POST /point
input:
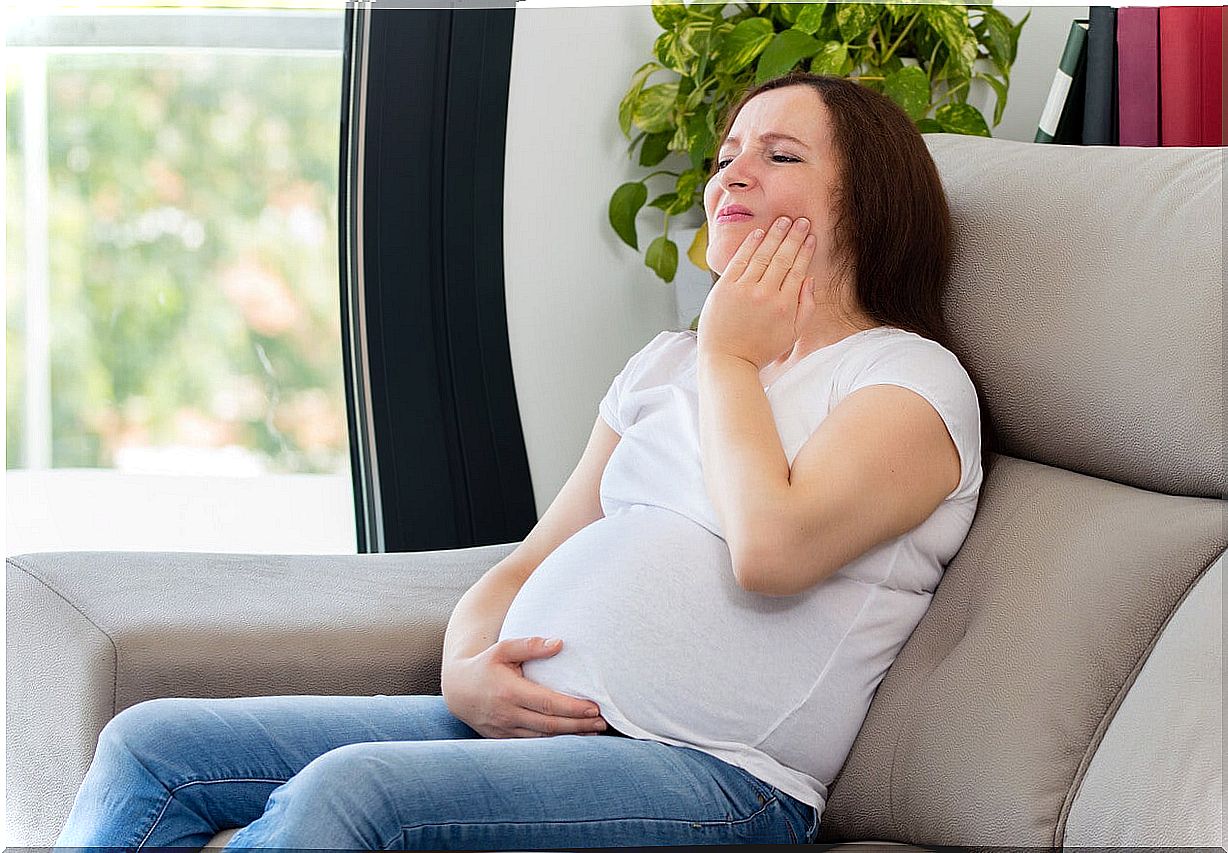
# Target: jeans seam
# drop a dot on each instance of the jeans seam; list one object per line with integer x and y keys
{"x": 407, "y": 827}
{"x": 170, "y": 795}
{"x": 228, "y": 779}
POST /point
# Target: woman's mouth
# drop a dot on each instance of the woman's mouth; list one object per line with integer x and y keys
{"x": 733, "y": 217}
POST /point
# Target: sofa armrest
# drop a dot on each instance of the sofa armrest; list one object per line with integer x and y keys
{"x": 91, "y": 633}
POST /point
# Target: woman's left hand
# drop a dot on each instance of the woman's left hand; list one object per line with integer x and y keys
{"x": 758, "y": 307}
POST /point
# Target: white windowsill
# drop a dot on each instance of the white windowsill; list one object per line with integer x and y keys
{"x": 106, "y": 510}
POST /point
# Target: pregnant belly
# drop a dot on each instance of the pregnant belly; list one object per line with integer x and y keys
{"x": 654, "y": 624}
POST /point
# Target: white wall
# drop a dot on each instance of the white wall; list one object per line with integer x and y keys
{"x": 579, "y": 300}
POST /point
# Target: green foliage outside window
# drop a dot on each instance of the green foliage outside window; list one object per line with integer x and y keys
{"x": 193, "y": 256}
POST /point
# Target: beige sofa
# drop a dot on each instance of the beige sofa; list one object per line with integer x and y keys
{"x": 1064, "y": 688}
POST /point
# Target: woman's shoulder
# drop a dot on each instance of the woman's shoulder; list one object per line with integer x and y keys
{"x": 891, "y": 348}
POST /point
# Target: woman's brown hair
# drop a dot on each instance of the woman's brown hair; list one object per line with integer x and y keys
{"x": 892, "y": 234}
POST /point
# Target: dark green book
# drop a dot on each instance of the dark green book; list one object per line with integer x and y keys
{"x": 1100, "y": 108}
{"x": 1061, "y": 120}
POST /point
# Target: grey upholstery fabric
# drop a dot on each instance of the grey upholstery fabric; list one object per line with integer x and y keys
{"x": 92, "y": 633}
{"x": 1087, "y": 294}
{"x": 982, "y": 728}
{"x": 1157, "y": 778}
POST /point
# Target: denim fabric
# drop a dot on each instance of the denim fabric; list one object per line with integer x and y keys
{"x": 402, "y": 772}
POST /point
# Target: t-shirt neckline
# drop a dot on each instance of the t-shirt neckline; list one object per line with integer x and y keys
{"x": 823, "y": 349}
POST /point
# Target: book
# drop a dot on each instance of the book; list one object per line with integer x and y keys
{"x": 1138, "y": 75}
{"x": 1213, "y": 74}
{"x": 1180, "y": 75}
{"x": 1061, "y": 121}
{"x": 1100, "y": 101}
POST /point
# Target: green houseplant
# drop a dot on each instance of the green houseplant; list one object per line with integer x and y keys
{"x": 923, "y": 55}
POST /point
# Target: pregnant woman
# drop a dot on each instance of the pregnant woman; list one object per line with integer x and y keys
{"x": 758, "y": 522}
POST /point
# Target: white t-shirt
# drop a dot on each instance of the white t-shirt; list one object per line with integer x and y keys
{"x": 655, "y": 628}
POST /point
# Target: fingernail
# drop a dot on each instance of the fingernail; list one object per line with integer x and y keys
{"x": 803, "y": 222}
{"x": 782, "y": 222}
{"x": 757, "y": 234}
{"x": 592, "y": 712}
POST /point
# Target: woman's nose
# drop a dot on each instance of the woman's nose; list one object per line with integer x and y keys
{"x": 736, "y": 172}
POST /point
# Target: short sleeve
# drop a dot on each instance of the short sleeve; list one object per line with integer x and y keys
{"x": 931, "y": 370}
{"x": 612, "y": 407}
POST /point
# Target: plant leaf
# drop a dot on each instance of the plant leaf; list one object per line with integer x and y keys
{"x": 999, "y": 87}
{"x": 962, "y": 118}
{"x": 951, "y": 25}
{"x": 999, "y": 44}
{"x": 667, "y": 50}
{"x": 787, "y": 12}
{"x": 713, "y": 11}
{"x": 656, "y": 148}
{"x": 1015, "y": 34}
{"x": 699, "y": 140}
{"x": 929, "y": 125}
{"x": 662, "y": 257}
{"x": 668, "y": 12}
{"x": 830, "y": 59}
{"x": 854, "y": 19}
{"x": 653, "y": 110}
{"x": 782, "y": 55}
{"x": 697, "y": 253}
{"x": 664, "y": 201}
{"x": 809, "y": 18}
{"x": 688, "y": 182}
{"x": 627, "y": 104}
{"x": 745, "y": 42}
{"x": 910, "y": 88}
{"x": 635, "y": 141}
{"x": 624, "y": 205}
{"x": 694, "y": 36}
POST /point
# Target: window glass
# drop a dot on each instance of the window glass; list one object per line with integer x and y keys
{"x": 174, "y": 370}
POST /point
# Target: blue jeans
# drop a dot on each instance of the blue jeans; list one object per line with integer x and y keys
{"x": 402, "y": 772}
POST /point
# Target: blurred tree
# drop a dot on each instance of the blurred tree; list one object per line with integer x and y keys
{"x": 193, "y": 249}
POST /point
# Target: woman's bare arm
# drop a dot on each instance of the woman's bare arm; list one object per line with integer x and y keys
{"x": 478, "y": 616}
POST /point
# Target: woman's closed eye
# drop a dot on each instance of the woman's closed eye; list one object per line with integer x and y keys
{"x": 720, "y": 164}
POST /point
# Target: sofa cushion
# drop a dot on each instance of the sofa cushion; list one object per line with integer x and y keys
{"x": 1087, "y": 300}
{"x": 981, "y": 730}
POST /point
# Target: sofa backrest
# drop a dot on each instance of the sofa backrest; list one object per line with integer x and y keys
{"x": 1087, "y": 298}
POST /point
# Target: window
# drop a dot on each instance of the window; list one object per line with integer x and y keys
{"x": 174, "y": 366}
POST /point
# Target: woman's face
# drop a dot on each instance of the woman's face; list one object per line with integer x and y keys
{"x": 774, "y": 177}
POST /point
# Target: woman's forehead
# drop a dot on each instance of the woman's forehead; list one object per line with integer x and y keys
{"x": 794, "y": 111}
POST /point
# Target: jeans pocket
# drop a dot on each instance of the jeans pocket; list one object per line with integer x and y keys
{"x": 765, "y": 791}
{"x": 803, "y": 817}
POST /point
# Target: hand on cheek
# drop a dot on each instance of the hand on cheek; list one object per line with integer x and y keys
{"x": 764, "y": 295}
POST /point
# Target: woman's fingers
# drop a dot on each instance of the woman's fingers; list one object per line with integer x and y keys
{"x": 801, "y": 267}
{"x": 554, "y": 704}
{"x": 551, "y": 725}
{"x": 787, "y": 257}
{"x": 778, "y": 258}
{"x": 737, "y": 264}
{"x": 760, "y": 261}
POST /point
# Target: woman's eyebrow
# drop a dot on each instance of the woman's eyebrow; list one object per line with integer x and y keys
{"x": 770, "y": 136}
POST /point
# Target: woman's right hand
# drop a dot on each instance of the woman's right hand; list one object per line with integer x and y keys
{"x": 490, "y": 694}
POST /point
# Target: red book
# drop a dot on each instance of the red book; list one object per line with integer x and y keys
{"x": 1138, "y": 76}
{"x": 1212, "y": 25}
{"x": 1180, "y": 76}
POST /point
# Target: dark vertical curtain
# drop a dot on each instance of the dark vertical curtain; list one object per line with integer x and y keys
{"x": 436, "y": 443}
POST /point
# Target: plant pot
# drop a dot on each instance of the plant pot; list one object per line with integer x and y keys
{"x": 691, "y": 284}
